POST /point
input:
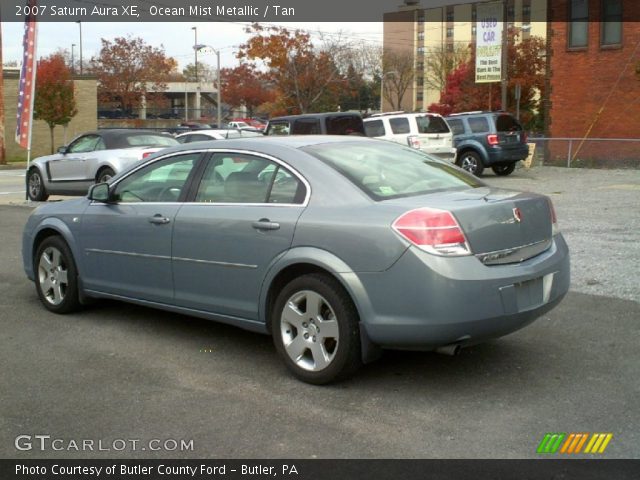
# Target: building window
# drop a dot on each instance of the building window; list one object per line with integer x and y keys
{"x": 450, "y": 13}
{"x": 578, "y": 23}
{"x": 421, "y": 16}
{"x": 419, "y": 96}
{"x": 420, "y": 36}
{"x": 449, "y": 32}
{"x": 474, "y": 29}
{"x": 449, "y": 47}
{"x": 421, "y": 51}
{"x": 611, "y": 26}
{"x": 419, "y": 65}
{"x": 420, "y": 81}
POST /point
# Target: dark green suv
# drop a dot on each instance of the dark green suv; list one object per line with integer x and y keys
{"x": 488, "y": 139}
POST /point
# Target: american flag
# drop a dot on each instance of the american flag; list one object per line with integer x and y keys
{"x": 26, "y": 89}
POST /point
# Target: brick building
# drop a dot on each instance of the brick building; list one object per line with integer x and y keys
{"x": 86, "y": 119}
{"x": 594, "y": 79}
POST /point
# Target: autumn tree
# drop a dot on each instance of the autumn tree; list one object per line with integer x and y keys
{"x": 525, "y": 68}
{"x": 128, "y": 69}
{"x": 305, "y": 78}
{"x": 205, "y": 73}
{"x": 54, "y": 100}
{"x": 245, "y": 86}
{"x": 440, "y": 61}
{"x": 398, "y": 76}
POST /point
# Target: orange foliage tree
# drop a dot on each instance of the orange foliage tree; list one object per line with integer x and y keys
{"x": 245, "y": 86}
{"x": 54, "y": 101}
{"x": 128, "y": 69}
{"x": 305, "y": 78}
{"x": 526, "y": 68}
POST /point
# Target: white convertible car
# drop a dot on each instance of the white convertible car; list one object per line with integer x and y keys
{"x": 93, "y": 157}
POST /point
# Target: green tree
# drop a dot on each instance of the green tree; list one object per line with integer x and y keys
{"x": 54, "y": 102}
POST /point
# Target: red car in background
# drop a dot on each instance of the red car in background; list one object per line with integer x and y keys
{"x": 252, "y": 122}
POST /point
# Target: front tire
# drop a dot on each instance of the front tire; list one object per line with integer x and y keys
{"x": 104, "y": 174}
{"x": 56, "y": 276}
{"x": 315, "y": 329}
{"x": 471, "y": 162}
{"x": 504, "y": 169}
{"x": 35, "y": 186}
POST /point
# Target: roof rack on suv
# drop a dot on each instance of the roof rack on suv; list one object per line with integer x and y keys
{"x": 476, "y": 112}
{"x": 382, "y": 114}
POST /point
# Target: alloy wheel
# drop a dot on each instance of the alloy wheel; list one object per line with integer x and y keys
{"x": 53, "y": 276}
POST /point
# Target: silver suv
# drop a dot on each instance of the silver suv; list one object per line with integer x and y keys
{"x": 425, "y": 131}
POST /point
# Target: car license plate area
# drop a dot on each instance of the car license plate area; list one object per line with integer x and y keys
{"x": 529, "y": 294}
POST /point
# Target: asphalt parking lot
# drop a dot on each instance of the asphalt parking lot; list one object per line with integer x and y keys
{"x": 116, "y": 371}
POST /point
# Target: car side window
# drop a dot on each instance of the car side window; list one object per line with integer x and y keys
{"x": 457, "y": 127}
{"x": 240, "y": 178}
{"x": 478, "y": 124}
{"x": 162, "y": 181}
{"x": 374, "y": 128}
{"x": 306, "y": 126}
{"x": 84, "y": 144}
{"x": 278, "y": 128}
{"x": 399, "y": 125}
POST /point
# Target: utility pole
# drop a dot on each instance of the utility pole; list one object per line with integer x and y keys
{"x": 505, "y": 56}
{"x": 3, "y": 159}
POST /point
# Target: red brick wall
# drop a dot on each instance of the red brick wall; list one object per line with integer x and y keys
{"x": 596, "y": 91}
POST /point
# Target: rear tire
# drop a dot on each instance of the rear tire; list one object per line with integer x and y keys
{"x": 56, "y": 276}
{"x": 35, "y": 186}
{"x": 104, "y": 174}
{"x": 315, "y": 329}
{"x": 471, "y": 162}
{"x": 504, "y": 169}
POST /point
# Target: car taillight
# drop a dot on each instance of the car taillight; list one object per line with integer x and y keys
{"x": 146, "y": 154}
{"x": 493, "y": 139}
{"x": 432, "y": 230}
{"x": 554, "y": 219}
{"x": 413, "y": 141}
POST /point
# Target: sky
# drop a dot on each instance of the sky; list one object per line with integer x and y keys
{"x": 177, "y": 38}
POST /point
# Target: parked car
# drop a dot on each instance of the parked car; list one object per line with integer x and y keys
{"x": 195, "y": 125}
{"x": 89, "y": 158}
{"x": 252, "y": 123}
{"x": 239, "y": 125}
{"x": 334, "y": 123}
{"x": 488, "y": 139}
{"x": 335, "y": 246}
{"x": 425, "y": 131}
{"x": 208, "y": 135}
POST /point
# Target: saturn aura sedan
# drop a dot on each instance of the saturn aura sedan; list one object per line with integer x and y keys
{"x": 337, "y": 247}
{"x": 92, "y": 157}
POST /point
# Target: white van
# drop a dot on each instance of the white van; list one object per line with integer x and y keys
{"x": 426, "y": 131}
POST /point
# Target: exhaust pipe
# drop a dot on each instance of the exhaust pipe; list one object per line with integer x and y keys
{"x": 451, "y": 350}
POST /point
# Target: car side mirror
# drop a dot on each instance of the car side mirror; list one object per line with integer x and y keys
{"x": 62, "y": 150}
{"x": 99, "y": 193}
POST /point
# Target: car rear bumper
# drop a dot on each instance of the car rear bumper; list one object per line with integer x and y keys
{"x": 507, "y": 155}
{"x": 459, "y": 300}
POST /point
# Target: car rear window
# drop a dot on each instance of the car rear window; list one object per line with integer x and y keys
{"x": 431, "y": 124}
{"x": 507, "y": 123}
{"x": 306, "y": 126}
{"x": 344, "y": 125}
{"x": 478, "y": 124}
{"x": 384, "y": 171}
{"x": 374, "y": 128}
{"x": 278, "y": 128}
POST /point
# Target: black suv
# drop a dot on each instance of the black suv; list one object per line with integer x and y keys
{"x": 488, "y": 139}
{"x": 334, "y": 123}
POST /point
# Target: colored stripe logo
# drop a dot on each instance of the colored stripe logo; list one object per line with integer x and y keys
{"x": 573, "y": 443}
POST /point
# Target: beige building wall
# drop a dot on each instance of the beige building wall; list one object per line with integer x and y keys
{"x": 399, "y": 34}
{"x": 85, "y": 120}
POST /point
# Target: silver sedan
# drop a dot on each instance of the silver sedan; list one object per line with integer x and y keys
{"x": 89, "y": 158}
{"x": 337, "y": 247}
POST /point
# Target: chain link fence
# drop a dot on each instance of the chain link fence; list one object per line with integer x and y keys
{"x": 586, "y": 152}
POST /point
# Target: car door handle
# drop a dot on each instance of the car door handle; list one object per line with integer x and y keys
{"x": 158, "y": 219}
{"x": 265, "y": 224}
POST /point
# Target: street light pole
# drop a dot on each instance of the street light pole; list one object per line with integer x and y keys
{"x": 195, "y": 33}
{"x": 505, "y": 57}
{"x": 80, "y": 25}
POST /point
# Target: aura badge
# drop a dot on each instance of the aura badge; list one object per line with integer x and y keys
{"x": 574, "y": 443}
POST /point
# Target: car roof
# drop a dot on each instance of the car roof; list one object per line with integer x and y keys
{"x": 315, "y": 115}
{"x": 378, "y": 116}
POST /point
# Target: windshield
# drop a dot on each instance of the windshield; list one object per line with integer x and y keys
{"x": 145, "y": 140}
{"x": 385, "y": 170}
